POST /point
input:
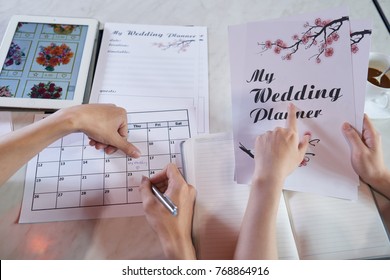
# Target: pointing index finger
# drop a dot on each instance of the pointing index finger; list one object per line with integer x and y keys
{"x": 291, "y": 117}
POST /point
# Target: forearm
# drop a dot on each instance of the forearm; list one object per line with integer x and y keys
{"x": 257, "y": 239}
{"x": 18, "y": 147}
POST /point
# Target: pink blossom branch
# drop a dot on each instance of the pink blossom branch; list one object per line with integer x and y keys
{"x": 176, "y": 44}
{"x": 328, "y": 31}
{"x": 357, "y": 36}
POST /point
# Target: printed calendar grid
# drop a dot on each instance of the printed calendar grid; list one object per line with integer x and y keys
{"x": 83, "y": 176}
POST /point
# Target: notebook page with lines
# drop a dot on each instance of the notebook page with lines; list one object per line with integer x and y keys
{"x": 308, "y": 226}
{"x": 150, "y": 62}
{"x": 330, "y": 228}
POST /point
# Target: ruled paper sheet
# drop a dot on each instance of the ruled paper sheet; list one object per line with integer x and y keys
{"x": 317, "y": 227}
{"x": 221, "y": 203}
{"x": 331, "y": 228}
{"x": 152, "y": 62}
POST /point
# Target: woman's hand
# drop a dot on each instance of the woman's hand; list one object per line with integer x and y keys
{"x": 174, "y": 232}
{"x": 367, "y": 156}
{"x": 279, "y": 152}
{"x": 105, "y": 125}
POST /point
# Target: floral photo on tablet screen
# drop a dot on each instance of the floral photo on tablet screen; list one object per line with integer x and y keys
{"x": 63, "y": 29}
{"x": 5, "y": 91}
{"x": 14, "y": 55}
{"x": 47, "y": 90}
{"x": 54, "y": 55}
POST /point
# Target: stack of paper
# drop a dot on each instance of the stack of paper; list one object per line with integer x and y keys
{"x": 319, "y": 63}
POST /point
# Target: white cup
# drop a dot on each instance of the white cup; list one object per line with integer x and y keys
{"x": 380, "y": 96}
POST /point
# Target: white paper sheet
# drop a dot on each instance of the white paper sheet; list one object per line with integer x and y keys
{"x": 5, "y": 122}
{"x": 360, "y": 37}
{"x": 70, "y": 180}
{"x": 328, "y": 228}
{"x": 360, "y": 46}
{"x": 154, "y": 62}
{"x": 306, "y": 69}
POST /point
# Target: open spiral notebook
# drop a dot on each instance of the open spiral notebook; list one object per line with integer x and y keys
{"x": 309, "y": 226}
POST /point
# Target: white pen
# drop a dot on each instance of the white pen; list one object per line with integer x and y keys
{"x": 165, "y": 201}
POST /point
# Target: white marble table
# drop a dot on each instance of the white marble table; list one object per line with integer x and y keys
{"x": 131, "y": 238}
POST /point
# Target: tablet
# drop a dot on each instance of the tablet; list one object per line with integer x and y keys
{"x": 46, "y": 61}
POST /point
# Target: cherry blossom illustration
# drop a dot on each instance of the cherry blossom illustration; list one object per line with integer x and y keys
{"x": 356, "y": 38}
{"x": 304, "y": 162}
{"x": 322, "y": 35}
{"x": 179, "y": 45}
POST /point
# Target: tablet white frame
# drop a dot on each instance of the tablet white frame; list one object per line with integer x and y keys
{"x": 82, "y": 78}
